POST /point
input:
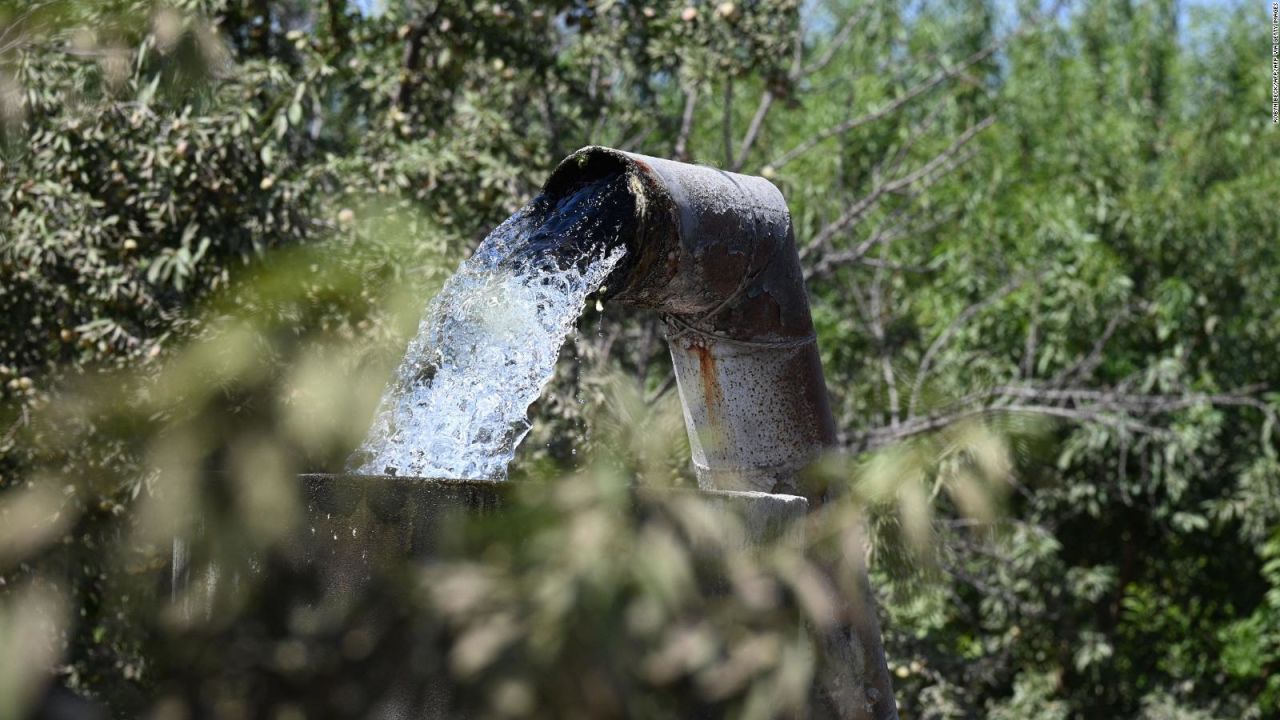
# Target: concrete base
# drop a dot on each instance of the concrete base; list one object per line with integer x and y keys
{"x": 357, "y": 529}
{"x": 352, "y": 522}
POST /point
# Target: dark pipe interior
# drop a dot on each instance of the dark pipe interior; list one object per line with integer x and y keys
{"x": 651, "y": 214}
{"x": 584, "y": 219}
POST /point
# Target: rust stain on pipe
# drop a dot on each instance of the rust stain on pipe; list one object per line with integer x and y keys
{"x": 710, "y": 385}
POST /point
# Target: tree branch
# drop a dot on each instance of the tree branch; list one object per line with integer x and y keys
{"x": 1087, "y": 363}
{"x": 837, "y": 41}
{"x": 1111, "y": 406}
{"x": 941, "y": 161}
{"x": 411, "y": 59}
{"x": 339, "y": 26}
{"x": 914, "y": 92}
{"x": 681, "y": 149}
{"x": 884, "y": 235}
{"x": 926, "y": 362}
{"x": 797, "y": 72}
{"x": 726, "y": 124}
{"x": 886, "y": 364}
{"x": 884, "y": 111}
{"x": 753, "y": 130}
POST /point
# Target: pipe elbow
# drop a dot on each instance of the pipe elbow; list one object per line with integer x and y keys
{"x": 711, "y": 249}
{"x": 714, "y": 252}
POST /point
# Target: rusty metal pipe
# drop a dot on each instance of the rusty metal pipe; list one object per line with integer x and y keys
{"x": 714, "y": 253}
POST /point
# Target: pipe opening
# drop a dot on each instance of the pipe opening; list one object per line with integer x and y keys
{"x": 652, "y": 225}
{"x": 588, "y": 217}
{"x": 712, "y": 250}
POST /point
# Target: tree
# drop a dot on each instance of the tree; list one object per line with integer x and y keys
{"x": 1038, "y": 242}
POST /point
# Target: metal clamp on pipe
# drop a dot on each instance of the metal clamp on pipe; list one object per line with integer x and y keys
{"x": 714, "y": 252}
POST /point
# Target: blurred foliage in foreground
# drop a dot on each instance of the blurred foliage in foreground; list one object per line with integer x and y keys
{"x": 212, "y": 585}
{"x": 1009, "y": 217}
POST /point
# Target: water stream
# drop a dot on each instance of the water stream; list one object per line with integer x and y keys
{"x": 487, "y": 345}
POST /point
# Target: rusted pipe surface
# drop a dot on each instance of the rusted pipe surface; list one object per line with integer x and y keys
{"x": 713, "y": 252}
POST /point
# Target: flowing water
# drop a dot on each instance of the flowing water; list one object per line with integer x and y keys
{"x": 458, "y": 405}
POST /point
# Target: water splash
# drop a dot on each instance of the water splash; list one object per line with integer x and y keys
{"x": 489, "y": 341}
